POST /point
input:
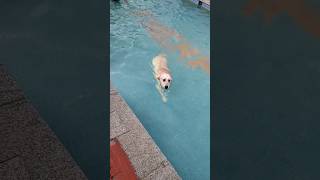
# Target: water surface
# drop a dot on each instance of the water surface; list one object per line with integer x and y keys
{"x": 141, "y": 30}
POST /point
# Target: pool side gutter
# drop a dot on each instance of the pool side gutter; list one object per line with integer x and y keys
{"x": 143, "y": 153}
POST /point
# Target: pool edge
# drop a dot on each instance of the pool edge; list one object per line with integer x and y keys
{"x": 144, "y": 154}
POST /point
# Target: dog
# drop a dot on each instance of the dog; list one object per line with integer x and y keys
{"x": 161, "y": 74}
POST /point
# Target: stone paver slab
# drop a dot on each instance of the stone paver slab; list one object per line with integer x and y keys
{"x": 163, "y": 173}
{"x": 117, "y": 127}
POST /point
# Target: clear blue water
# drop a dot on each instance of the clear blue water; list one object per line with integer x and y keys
{"x": 180, "y": 127}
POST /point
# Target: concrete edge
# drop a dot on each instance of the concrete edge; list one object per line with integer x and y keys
{"x": 145, "y": 156}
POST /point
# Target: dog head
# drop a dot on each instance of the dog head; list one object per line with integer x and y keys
{"x": 165, "y": 80}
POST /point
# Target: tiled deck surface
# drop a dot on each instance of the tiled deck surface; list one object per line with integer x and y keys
{"x": 145, "y": 156}
{"x": 28, "y": 147}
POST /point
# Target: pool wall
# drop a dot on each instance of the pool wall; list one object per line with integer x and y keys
{"x": 145, "y": 156}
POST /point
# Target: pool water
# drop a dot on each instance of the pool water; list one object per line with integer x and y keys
{"x": 140, "y": 30}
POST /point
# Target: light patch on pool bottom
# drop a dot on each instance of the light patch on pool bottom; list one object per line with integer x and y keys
{"x": 186, "y": 50}
{"x": 202, "y": 63}
{"x": 160, "y": 33}
{"x": 165, "y": 37}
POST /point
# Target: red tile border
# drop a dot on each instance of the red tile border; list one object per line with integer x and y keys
{"x": 120, "y": 166}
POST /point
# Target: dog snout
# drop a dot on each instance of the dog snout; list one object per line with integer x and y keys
{"x": 166, "y": 87}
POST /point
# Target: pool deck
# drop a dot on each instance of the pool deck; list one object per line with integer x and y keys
{"x": 29, "y": 149}
{"x": 145, "y": 156}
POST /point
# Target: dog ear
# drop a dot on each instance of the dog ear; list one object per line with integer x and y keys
{"x": 158, "y": 77}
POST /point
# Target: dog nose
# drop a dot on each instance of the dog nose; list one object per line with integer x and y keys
{"x": 166, "y": 87}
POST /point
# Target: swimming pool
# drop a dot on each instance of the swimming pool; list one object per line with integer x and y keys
{"x": 140, "y": 30}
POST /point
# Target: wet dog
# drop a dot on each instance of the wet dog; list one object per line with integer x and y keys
{"x": 161, "y": 74}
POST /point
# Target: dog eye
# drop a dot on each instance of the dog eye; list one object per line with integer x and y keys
{"x": 169, "y": 80}
{"x": 164, "y": 80}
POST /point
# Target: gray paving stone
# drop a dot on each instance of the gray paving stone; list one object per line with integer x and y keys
{"x": 114, "y": 99}
{"x": 14, "y": 169}
{"x": 128, "y": 118}
{"x": 117, "y": 128}
{"x": 163, "y": 173}
{"x": 10, "y": 140}
{"x": 144, "y": 156}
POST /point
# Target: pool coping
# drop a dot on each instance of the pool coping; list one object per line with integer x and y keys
{"x": 145, "y": 156}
